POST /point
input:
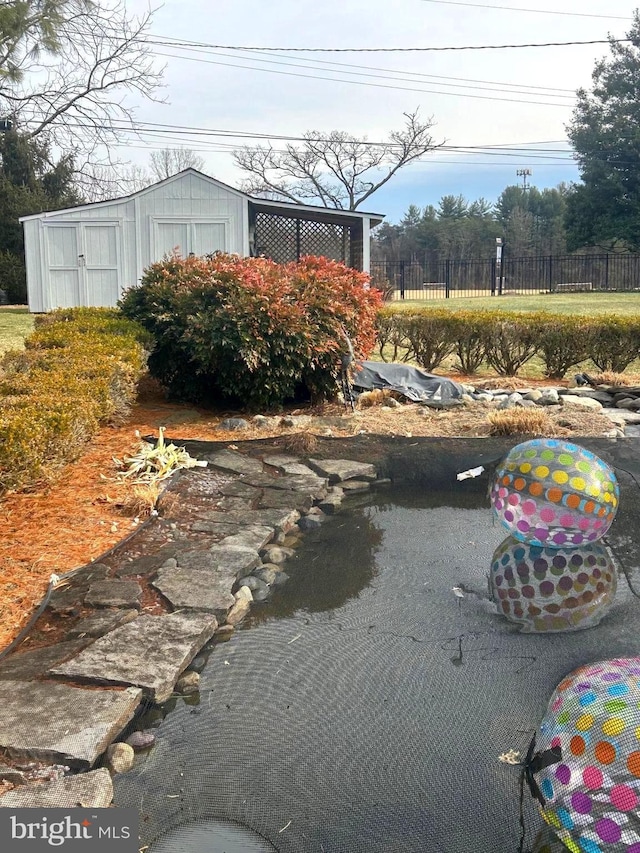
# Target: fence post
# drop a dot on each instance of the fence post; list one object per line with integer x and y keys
{"x": 550, "y": 273}
{"x": 503, "y": 261}
{"x": 447, "y": 278}
{"x": 493, "y": 273}
{"x": 606, "y": 271}
{"x": 401, "y": 279}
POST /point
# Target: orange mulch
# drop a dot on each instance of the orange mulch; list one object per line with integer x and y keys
{"x": 68, "y": 523}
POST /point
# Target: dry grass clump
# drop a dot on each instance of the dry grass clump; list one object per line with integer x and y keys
{"x": 139, "y": 500}
{"x": 521, "y": 422}
{"x": 377, "y": 397}
{"x": 300, "y": 442}
{"x": 608, "y": 377}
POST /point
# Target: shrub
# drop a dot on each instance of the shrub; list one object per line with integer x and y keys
{"x": 431, "y": 336}
{"x": 563, "y": 342}
{"x": 79, "y": 369}
{"x": 250, "y": 331}
{"x": 511, "y": 340}
{"x": 392, "y": 337}
{"x": 614, "y": 342}
{"x": 470, "y": 341}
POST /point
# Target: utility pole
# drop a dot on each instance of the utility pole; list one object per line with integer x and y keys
{"x": 524, "y": 174}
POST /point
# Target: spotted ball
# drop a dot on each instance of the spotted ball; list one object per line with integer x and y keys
{"x": 544, "y": 590}
{"x": 593, "y": 793}
{"x": 553, "y": 493}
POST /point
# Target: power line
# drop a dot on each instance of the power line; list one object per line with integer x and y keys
{"x": 429, "y": 77}
{"x": 520, "y": 9}
{"x": 176, "y": 43}
{"x": 362, "y": 82}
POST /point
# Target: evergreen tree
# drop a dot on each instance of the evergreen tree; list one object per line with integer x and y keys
{"x": 29, "y": 183}
{"x": 604, "y": 209}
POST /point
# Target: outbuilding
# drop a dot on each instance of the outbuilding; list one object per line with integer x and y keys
{"x": 87, "y": 255}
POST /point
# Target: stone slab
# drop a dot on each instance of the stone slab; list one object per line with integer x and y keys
{"x": 231, "y": 460}
{"x": 253, "y": 536}
{"x": 239, "y": 489}
{"x": 195, "y": 589}
{"x": 63, "y": 724}
{"x": 101, "y": 623}
{"x": 71, "y": 595}
{"x": 92, "y": 790}
{"x": 280, "y": 519}
{"x": 314, "y": 485}
{"x": 26, "y": 666}
{"x": 339, "y": 470}
{"x": 150, "y": 652}
{"x": 288, "y": 464}
{"x": 114, "y": 593}
{"x": 233, "y": 560}
{"x": 276, "y": 499}
{"x": 147, "y": 562}
{"x": 622, "y": 415}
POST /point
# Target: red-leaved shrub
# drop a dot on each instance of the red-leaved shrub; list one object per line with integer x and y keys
{"x": 250, "y": 331}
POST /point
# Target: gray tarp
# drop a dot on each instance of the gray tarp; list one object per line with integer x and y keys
{"x": 413, "y": 383}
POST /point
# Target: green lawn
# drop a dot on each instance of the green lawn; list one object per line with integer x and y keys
{"x": 565, "y": 303}
{"x": 15, "y": 325}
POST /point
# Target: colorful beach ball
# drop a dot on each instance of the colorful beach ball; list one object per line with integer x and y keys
{"x": 552, "y": 589}
{"x": 592, "y": 792}
{"x": 554, "y": 493}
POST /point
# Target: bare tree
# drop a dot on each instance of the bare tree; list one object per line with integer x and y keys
{"x": 66, "y": 75}
{"x": 169, "y": 161}
{"x": 332, "y": 168}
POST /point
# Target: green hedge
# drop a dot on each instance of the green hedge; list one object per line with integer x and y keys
{"x": 506, "y": 341}
{"x": 79, "y": 369}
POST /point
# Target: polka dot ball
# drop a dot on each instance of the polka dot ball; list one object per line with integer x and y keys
{"x": 593, "y": 792}
{"x": 554, "y": 493}
{"x": 552, "y": 589}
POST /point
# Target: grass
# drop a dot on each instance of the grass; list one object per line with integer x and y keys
{"x": 563, "y": 303}
{"x": 15, "y": 325}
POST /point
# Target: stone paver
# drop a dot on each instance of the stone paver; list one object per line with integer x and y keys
{"x": 288, "y": 464}
{"x": 587, "y": 402}
{"x": 280, "y": 519}
{"x": 196, "y": 589}
{"x": 56, "y": 722}
{"x": 249, "y": 536}
{"x": 150, "y": 652}
{"x": 114, "y": 593}
{"x": 237, "y": 463}
{"x": 93, "y": 790}
{"x": 232, "y": 560}
{"x": 338, "y": 470}
{"x": 314, "y": 485}
{"x": 101, "y": 623}
{"x": 622, "y": 415}
{"x": 29, "y": 665}
{"x": 147, "y": 562}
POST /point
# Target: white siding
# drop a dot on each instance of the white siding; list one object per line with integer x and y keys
{"x": 35, "y": 267}
{"x": 191, "y": 213}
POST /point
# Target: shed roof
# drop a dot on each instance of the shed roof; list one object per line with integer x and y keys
{"x": 263, "y": 205}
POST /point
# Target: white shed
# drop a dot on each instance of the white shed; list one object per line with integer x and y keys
{"x": 87, "y": 255}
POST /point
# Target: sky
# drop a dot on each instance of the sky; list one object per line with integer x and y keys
{"x": 509, "y": 99}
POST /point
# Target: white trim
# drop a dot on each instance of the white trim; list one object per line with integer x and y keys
{"x": 136, "y": 195}
{"x": 186, "y": 219}
{"x": 366, "y": 246}
{"x": 284, "y": 205}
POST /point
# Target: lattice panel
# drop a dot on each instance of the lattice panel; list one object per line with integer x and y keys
{"x": 286, "y": 239}
{"x": 323, "y": 238}
{"x": 276, "y": 237}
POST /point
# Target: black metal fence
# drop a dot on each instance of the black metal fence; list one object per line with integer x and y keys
{"x": 543, "y": 274}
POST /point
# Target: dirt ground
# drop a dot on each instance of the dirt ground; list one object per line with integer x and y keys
{"x": 63, "y": 525}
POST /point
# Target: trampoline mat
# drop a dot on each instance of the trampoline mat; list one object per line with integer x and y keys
{"x": 364, "y": 706}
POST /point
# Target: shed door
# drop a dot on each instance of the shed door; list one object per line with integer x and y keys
{"x": 208, "y": 237}
{"x": 101, "y": 270}
{"x": 64, "y": 269}
{"x": 171, "y": 236}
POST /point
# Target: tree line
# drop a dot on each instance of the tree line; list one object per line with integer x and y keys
{"x": 529, "y": 221}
